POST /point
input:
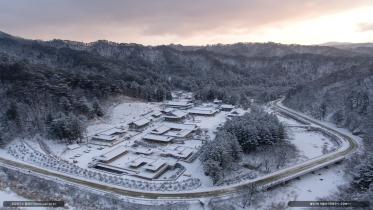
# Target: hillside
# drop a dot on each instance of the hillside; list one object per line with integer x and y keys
{"x": 274, "y": 49}
{"x": 42, "y": 81}
{"x": 343, "y": 97}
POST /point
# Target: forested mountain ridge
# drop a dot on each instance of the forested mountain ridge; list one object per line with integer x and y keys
{"x": 43, "y": 81}
{"x": 344, "y": 97}
{"x": 182, "y": 67}
{"x": 271, "y": 49}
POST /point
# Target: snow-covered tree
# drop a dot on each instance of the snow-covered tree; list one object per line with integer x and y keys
{"x": 255, "y": 128}
{"x": 66, "y": 127}
{"x": 219, "y": 155}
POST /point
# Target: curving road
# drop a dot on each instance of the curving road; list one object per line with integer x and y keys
{"x": 349, "y": 145}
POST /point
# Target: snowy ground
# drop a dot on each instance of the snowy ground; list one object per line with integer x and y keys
{"x": 319, "y": 184}
{"x": 313, "y": 186}
{"x": 122, "y": 114}
{"x": 210, "y": 123}
{"x": 310, "y": 144}
{"x": 8, "y": 195}
{"x": 310, "y": 187}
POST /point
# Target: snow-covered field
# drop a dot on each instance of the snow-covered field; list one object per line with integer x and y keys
{"x": 122, "y": 114}
{"x": 310, "y": 144}
{"x": 319, "y": 184}
{"x": 310, "y": 187}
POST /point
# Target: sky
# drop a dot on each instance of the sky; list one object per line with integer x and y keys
{"x": 190, "y": 22}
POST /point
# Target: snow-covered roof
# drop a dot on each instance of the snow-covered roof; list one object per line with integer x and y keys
{"x": 180, "y": 126}
{"x": 152, "y": 172}
{"x": 178, "y": 151}
{"x": 160, "y": 130}
{"x": 174, "y": 129}
{"x": 179, "y": 133}
{"x": 112, "y": 153}
{"x": 145, "y": 151}
{"x": 217, "y": 101}
{"x": 154, "y": 137}
{"x": 176, "y": 114}
{"x": 206, "y": 107}
{"x": 202, "y": 111}
{"x": 178, "y": 103}
{"x": 113, "y": 131}
{"x": 141, "y": 122}
{"x": 227, "y": 106}
{"x": 156, "y": 114}
{"x": 103, "y": 137}
{"x": 155, "y": 165}
{"x": 179, "y": 113}
{"x": 168, "y": 110}
{"x": 138, "y": 161}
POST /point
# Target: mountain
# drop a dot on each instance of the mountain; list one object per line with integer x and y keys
{"x": 41, "y": 81}
{"x": 364, "y": 48}
{"x": 343, "y": 97}
{"x": 274, "y": 49}
{"x": 347, "y": 45}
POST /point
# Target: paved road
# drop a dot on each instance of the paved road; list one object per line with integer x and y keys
{"x": 223, "y": 191}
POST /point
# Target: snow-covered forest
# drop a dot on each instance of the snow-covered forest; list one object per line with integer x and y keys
{"x": 242, "y": 134}
{"x": 59, "y": 80}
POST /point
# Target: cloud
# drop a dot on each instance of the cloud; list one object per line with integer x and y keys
{"x": 122, "y": 20}
{"x": 366, "y": 27}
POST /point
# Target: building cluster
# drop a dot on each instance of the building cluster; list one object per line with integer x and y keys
{"x": 170, "y": 133}
{"x": 26, "y": 153}
{"x": 140, "y": 165}
{"x": 166, "y": 130}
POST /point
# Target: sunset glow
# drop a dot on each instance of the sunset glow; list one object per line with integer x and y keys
{"x": 191, "y": 22}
